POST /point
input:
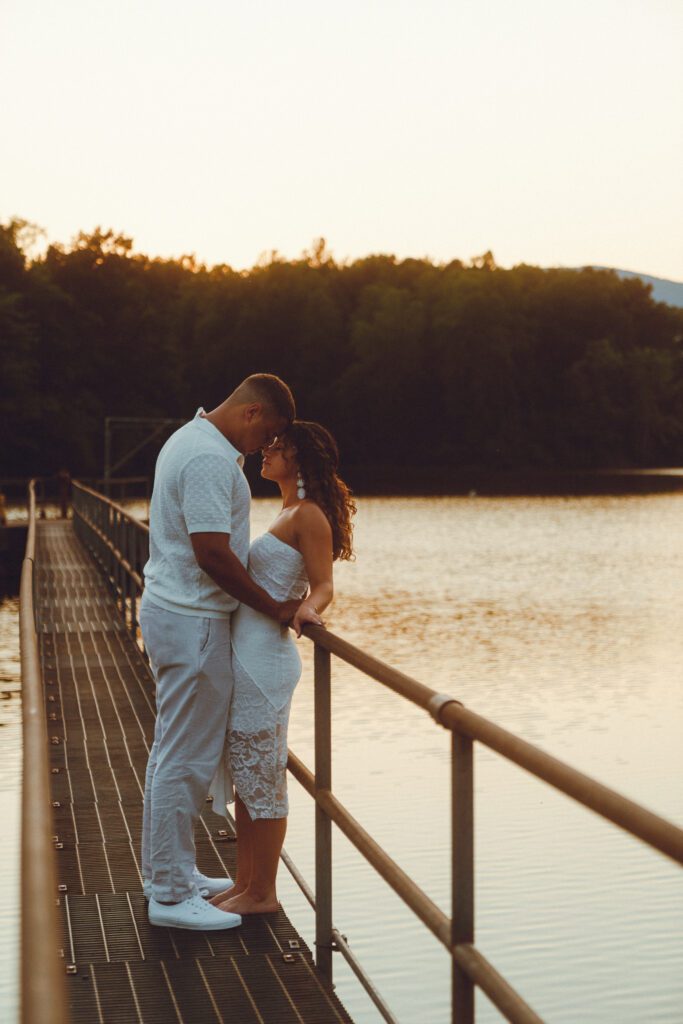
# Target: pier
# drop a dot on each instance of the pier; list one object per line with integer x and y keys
{"x": 88, "y": 952}
{"x": 99, "y": 709}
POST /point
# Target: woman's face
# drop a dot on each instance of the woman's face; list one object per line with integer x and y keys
{"x": 279, "y": 461}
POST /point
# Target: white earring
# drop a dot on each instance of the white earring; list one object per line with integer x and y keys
{"x": 300, "y": 489}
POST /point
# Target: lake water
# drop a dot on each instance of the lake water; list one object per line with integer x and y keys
{"x": 558, "y": 618}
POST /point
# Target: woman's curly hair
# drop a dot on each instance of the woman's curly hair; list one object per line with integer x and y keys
{"x": 318, "y": 458}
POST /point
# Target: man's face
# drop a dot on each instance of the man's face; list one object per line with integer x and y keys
{"x": 262, "y": 429}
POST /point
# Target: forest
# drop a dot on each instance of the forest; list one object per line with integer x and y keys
{"x": 410, "y": 363}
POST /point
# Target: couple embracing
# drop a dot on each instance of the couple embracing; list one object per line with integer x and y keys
{"x": 214, "y": 618}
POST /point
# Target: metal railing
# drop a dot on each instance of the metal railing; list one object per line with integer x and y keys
{"x": 121, "y": 488}
{"x": 117, "y": 541}
{"x": 119, "y": 544}
{"x": 42, "y": 988}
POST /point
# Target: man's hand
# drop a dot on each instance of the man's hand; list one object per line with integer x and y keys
{"x": 287, "y": 610}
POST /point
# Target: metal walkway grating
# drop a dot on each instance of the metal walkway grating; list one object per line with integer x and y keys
{"x": 100, "y": 708}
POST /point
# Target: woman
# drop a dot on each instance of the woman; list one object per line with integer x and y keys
{"x": 295, "y": 555}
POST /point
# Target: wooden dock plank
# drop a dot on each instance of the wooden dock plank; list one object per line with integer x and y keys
{"x": 100, "y": 705}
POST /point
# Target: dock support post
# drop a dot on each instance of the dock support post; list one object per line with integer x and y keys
{"x": 462, "y": 914}
{"x": 323, "y": 824}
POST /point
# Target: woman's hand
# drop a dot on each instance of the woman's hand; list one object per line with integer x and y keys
{"x": 307, "y": 613}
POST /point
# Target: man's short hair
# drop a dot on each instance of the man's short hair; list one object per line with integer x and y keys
{"x": 270, "y": 391}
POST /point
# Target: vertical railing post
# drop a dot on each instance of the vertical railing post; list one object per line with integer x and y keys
{"x": 140, "y": 561}
{"x": 132, "y": 546}
{"x": 109, "y": 531}
{"x": 462, "y": 911}
{"x": 107, "y": 455}
{"x": 118, "y": 574}
{"x": 64, "y": 479}
{"x": 115, "y": 564}
{"x": 323, "y": 824}
{"x": 128, "y": 581}
{"x": 102, "y": 520}
{"x": 144, "y": 551}
{"x": 121, "y": 552}
{"x": 121, "y": 548}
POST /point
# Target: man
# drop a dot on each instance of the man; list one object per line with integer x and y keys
{"x": 194, "y": 579}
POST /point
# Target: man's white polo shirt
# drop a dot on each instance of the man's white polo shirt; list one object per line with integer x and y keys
{"x": 199, "y": 487}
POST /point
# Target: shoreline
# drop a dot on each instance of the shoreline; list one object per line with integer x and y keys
{"x": 433, "y": 481}
{"x": 428, "y": 481}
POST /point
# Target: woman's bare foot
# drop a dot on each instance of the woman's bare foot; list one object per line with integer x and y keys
{"x": 227, "y": 894}
{"x": 245, "y": 903}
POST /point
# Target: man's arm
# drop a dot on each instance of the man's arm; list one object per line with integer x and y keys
{"x": 217, "y": 559}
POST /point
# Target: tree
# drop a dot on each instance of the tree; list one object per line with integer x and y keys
{"x": 408, "y": 362}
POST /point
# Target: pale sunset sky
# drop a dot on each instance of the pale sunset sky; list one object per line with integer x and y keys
{"x": 547, "y": 132}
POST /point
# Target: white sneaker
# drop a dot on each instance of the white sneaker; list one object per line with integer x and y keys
{"x": 208, "y": 887}
{"x": 193, "y": 913}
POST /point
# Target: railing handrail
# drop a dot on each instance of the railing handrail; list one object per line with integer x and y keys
{"x": 455, "y": 933}
{"x": 652, "y": 829}
{"x": 43, "y": 996}
{"x": 79, "y": 486}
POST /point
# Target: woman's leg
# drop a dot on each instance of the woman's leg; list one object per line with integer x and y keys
{"x": 259, "y": 897}
{"x": 258, "y": 758}
{"x": 245, "y": 845}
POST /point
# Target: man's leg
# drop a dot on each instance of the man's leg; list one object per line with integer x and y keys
{"x": 147, "y": 808}
{"x": 145, "y": 860}
{"x": 194, "y": 683}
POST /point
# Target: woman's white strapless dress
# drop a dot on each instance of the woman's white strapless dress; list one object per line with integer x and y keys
{"x": 266, "y": 668}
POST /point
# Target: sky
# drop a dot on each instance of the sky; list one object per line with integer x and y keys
{"x": 550, "y": 133}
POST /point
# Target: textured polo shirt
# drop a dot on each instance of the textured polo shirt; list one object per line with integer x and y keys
{"x": 199, "y": 487}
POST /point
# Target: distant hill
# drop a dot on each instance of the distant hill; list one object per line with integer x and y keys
{"x": 670, "y": 292}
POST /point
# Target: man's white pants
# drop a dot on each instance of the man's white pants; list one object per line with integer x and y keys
{"x": 191, "y": 661}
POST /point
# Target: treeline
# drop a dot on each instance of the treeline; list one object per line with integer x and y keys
{"x": 411, "y": 364}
